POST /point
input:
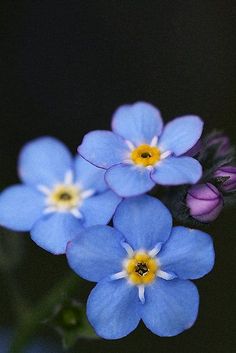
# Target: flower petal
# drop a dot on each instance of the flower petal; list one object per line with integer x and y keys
{"x": 144, "y": 221}
{"x": 138, "y": 122}
{"x": 20, "y": 207}
{"x": 128, "y": 180}
{"x": 113, "y": 309}
{"x": 180, "y": 134}
{"x": 205, "y": 202}
{"x": 89, "y": 176}
{"x": 100, "y": 208}
{"x": 188, "y": 253}
{"x": 177, "y": 171}
{"x": 44, "y": 161}
{"x": 96, "y": 253}
{"x": 53, "y": 232}
{"x": 103, "y": 148}
{"x": 170, "y": 306}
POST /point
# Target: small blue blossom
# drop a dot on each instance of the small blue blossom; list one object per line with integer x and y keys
{"x": 59, "y": 196}
{"x": 140, "y": 153}
{"x": 143, "y": 267}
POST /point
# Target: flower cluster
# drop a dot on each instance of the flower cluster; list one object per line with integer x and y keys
{"x": 143, "y": 265}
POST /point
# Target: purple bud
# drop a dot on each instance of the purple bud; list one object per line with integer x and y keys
{"x": 205, "y": 202}
{"x": 227, "y": 172}
{"x": 221, "y": 141}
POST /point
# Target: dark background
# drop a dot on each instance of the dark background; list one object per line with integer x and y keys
{"x": 66, "y": 65}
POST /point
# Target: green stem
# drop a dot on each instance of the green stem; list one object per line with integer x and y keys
{"x": 32, "y": 319}
{"x": 19, "y": 306}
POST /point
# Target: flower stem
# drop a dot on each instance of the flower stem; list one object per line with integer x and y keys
{"x": 33, "y": 318}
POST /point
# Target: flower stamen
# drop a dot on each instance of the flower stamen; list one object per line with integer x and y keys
{"x": 146, "y": 155}
{"x": 141, "y": 268}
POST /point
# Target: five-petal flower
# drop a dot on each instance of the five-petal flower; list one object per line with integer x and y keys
{"x": 143, "y": 267}
{"x": 59, "y": 196}
{"x": 140, "y": 153}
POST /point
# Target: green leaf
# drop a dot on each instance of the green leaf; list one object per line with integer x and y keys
{"x": 71, "y": 323}
{"x": 33, "y": 319}
{"x": 11, "y": 249}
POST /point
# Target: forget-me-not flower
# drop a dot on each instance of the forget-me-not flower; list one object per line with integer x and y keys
{"x": 142, "y": 267}
{"x": 58, "y": 197}
{"x": 140, "y": 153}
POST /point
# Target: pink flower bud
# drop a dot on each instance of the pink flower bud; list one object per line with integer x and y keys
{"x": 205, "y": 202}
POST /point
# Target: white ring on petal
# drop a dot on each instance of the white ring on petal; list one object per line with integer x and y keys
{"x": 141, "y": 293}
{"x": 165, "y": 154}
{"x": 154, "y": 141}
{"x": 76, "y": 213}
{"x": 155, "y": 250}
{"x": 48, "y": 210}
{"x": 69, "y": 176}
{"x": 130, "y": 145}
{"x": 44, "y": 189}
{"x": 165, "y": 275}
{"x": 119, "y": 275}
{"x": 87, "y": 193}
{"x": 127, "y": 248}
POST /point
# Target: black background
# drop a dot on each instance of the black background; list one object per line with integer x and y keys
{"x": 65, "y": 67}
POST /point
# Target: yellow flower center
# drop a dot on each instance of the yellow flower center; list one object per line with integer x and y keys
{"x": 141, "y": 268}
{"x": 64, "y": 197}
{"x": 146, "y": 155}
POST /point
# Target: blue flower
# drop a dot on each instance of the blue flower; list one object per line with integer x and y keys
{"x": 59, "y": 196}
{"x": 142, "y": 267}
{"x": 139, "y": 153}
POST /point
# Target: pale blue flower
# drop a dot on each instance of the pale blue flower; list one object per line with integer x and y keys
{"x": 59, "y": 195}
{"x": 143, "y": 267}
{"x": 140, "y": 153}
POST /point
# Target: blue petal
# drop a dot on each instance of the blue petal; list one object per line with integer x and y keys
{"x": 128, "y": 180}
{"x": 188, "y": 253}
{"x": 89, "y": 176}
{"x": 96, "y": 253}
{"x": 144, "y": 221}
{"x": 170, "y": 306}
{"x": 138, "y": 122}
{"x": 44, "y": 161}
{"x": 113, "y": 309}
{"x": 181, "y": 134}
{"x": 103, "y": 148}
{"x": 20, "y": 207}
{"x": 177, "y": 171}
{"x": 99, "y": 209}
{"x": 54, "y": 231}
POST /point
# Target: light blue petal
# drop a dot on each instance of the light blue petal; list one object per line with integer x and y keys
{"x": 181, "y": 134}
{"x": 170, "y": 306}
{"x": 20, "y": 207}
{"x": 138, "y": 122}
{"x": 44, "y": 161}
{"x": 188, "y": 253}
{"x": 144, "y": 221}
{"x": 103, "y": 148}
{"x": 113, "y": 309}
{"x": 96, "y": 253}
{"x": 128, "y": 180}
{"x": 100, "y": 208}
{"x": 53, "y": 232}
{"x": 89, "y": 176}
{"x": 177, "y": 171}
